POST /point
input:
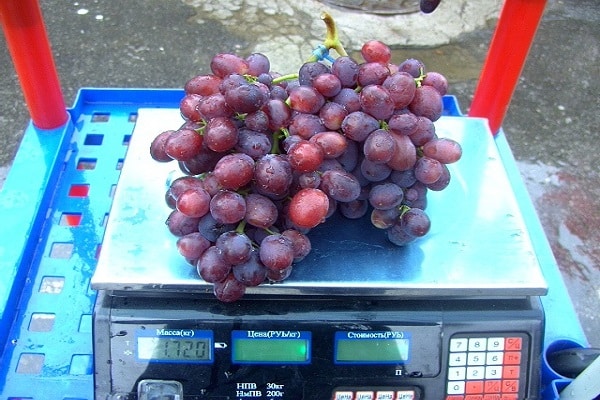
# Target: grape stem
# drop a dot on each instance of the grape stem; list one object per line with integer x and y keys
{"x": 332, "y": 39}
{"x": 403, "y": 210}
{"x": 269, "y": 231}
{"x": 202, "y": 127}
{"x": 241, "y": 227}
{"x": 277, "y": 136}
{"x": 422, "y": 75}
{"x": 283, "y": 78}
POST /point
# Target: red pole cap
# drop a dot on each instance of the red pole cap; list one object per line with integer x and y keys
{"x": 30, "y": 50}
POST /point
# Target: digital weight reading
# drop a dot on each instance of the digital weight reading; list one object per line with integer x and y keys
{"x": 175, "y": 345}
{"x": 372, "y": 347}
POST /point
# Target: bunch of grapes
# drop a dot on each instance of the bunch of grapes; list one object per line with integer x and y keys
{"x": 267, "y": 157}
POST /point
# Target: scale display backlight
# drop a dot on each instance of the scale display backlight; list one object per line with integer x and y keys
{"x": 270, "y": 347}
{"x": 175, "y": 345}
{"x": 372, "y": 347}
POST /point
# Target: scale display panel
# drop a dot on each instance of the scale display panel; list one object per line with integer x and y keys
{"x": 384, "y": 347}
{"x": 314, "y": 350}
{"x": 175, "y": 346}
{"x": 270, "y": 347}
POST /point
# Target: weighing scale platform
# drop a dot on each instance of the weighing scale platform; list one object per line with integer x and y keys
{"x": 478, "y": 245}
{"x": 63, "y": 184}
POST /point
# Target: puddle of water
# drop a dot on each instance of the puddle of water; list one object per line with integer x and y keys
{"x": 570, "y": 215}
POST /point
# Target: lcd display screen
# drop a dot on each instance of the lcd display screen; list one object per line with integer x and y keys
{"x": 371, "y": 347}
{"x": 270, "y": 347}
{"x": 196, "y": 347}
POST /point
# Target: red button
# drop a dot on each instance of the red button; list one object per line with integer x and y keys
{"x": 472, "y": 387}
{"x": 492, "y": 386}
{"x": 491, "y": 397}
{"x": 511, "y": 372}
{"x": 474, "y": 397}
{"x": 455, "y": 397}
{"x": 510, "y": 386}
{"x": 513, "y": 343}
{"x": 512, "y": 358}
{"x": 509, "y": 397}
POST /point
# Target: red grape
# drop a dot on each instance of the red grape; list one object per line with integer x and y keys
{"x": 332, "y": 143}
{"x": 189, "y": 107}
{"x": 428, "y": 170}
{"x": 444, "y": 150}
{"x": 251, "y": 272}
{"x": 300, "y": 243}
{"x": 180, "y": 224}
{"x": 376, "y": 51}
{"x": 427, "y": 103}
{"x": 192, "y": 245}
{"x": 276, "y": 252}
{"x": 376, "y": 101}
{"x": 229, "y": 290}
{"x": 235, "y": 247}
{"x": 234, "y": 170}
{"x": 226, "y": 64}
{"x": 273, "y": 175}
{"x": 386, "y": 196}
{"x": 228, "y": 207}
{"x": 220, "y": 134}
{"x": 379, "y": 146}
{"x": 372, "y": 73}
{"x": 258, "y": 64}
{"x": 332, "y": 114}
{"x": 193, "y": 202}
{"x": 358, "y": 125}
{"x": 204, "y": 85}
{"x": 327, "y": 84}
{"x": 308, "y": 208}
{"x": 436, "y": 80}
{"x": 183, "y": 144}
{"x": 415, "y": 222}
{"x": 401, "y": 87}
{"x": 260, "y": 211}
{"x": 340, "y": 185}
{"x": 157, "y": 147}
{"x": 306, "y": 99}
{"x": 412, "y": 66}
{"x": 346, "y": 69}
{"x": 211, "y": 266}
{"x": 305, "y": 156}
{"x": 405, "y": 156}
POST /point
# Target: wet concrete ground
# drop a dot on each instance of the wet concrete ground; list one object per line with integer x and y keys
{"x": 551, "y": 124}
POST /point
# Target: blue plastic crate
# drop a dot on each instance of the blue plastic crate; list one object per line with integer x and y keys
{"x": 55, "y": 204}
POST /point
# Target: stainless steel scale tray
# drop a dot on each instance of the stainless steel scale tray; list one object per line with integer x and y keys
{"x": 478, "y": 245}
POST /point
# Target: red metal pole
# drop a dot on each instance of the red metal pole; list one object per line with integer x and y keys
{"x": 512, "y": 39}
{"x": 30, "y": 50}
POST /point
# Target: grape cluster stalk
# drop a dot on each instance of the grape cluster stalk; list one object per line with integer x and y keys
{"x": 268, "y": 157}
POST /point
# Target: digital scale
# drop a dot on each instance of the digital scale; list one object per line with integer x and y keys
{"x": 455, "y": 315}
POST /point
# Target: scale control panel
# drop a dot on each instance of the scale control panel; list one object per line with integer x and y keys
{"x": 365, "y": 350}
{"x": 487, "y": 367}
